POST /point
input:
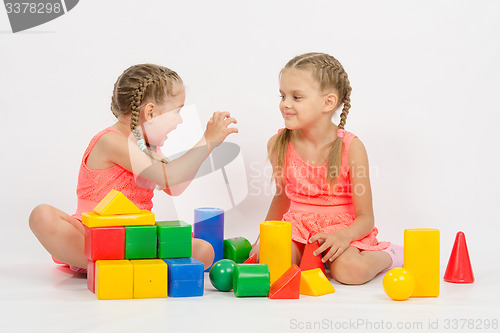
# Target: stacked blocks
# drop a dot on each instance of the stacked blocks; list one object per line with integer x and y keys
{"x": 251, "y": 280}
{"x": 185, "y": 277}
{"x": 174, "y": 239}
{"x": 237, "y": 249}
{"x": 123, "y": 243}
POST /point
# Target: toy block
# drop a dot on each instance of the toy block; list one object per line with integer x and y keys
{"x": 150, "y": 278}
{"x": 140, "y": 242}
{"x": 459, "y": 269}
{"x": 237, "y": 249}
{"x": 114, "y": 279}
{"x": 252, "y": 259}
{"x": 107, "y": 243}
{"x": 251, "y": 280}
{"x": 287, "y": 286}
{"x": 421, "y": 257}
{"x": 115, "y": 203}
{"x": 314, "y": 283}
{"x": 92, "y": 220}
{"x": 185, "y": 277}
{"x": 222, "y": 273}
{"x": 276, "y": 247}
{"x": 209, "y": 226}
{"x": 309, "y": 260}
{"x": 174, "y": 239}
{"x": 91, "y": 275}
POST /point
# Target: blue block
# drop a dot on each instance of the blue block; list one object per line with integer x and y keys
{"x": 209, "y": 226}
{"x": 185, "y": 277}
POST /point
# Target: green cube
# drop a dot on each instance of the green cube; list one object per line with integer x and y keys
{"x": 174, "y": 239}
{"x": 237, "y": 249}
{"x": 141, "y": 242}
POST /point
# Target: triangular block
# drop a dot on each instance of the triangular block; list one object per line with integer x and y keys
{"x": 459, "y": 269}
{"x": 314, "y": 283}
{"x": 252, "y": 259}
{"x": 287, "y": 286}
{"x": 116, "y": 203}
{"x": 309, "y": 260}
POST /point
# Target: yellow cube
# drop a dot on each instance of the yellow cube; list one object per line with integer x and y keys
{"x": 314, "y": 283}
{"x": 150, "y": 278}
{"x": 114, "y": 279}
{"x": 92, "y": 220}
{"x": 115, "y": 202}
{"x": 421, "y": 257}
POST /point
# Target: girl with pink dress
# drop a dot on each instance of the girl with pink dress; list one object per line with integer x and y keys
{"x": 147, "y": 100}
{"x": 322, "y": 174}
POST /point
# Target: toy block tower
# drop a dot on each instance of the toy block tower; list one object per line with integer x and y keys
{"x": 123, "y": 244}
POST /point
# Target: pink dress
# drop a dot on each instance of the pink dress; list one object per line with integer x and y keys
{"x": 314, "y": 207}
{"x": 94, "y": 184}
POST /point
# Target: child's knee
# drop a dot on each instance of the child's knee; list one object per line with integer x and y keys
{"x": 203, "y": 251}
{"x": 40, "y": 218}
{"x": 348, "y": 271}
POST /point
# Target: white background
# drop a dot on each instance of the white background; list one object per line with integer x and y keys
{"x": 425, "y": 78}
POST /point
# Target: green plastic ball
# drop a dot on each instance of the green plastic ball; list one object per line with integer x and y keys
{"x": 221, "y": 274}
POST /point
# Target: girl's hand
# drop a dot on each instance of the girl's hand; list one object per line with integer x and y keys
{"x": 337, "y": 241}
{"x": 217, "y": 129}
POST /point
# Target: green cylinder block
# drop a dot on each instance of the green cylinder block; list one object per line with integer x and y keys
{"x": 237, "y": 249}
{"x": 251, "y": 280}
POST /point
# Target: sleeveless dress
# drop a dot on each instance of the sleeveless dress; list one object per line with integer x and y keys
{"x": 94, "y": 184}
{"x": 315, "y": 207}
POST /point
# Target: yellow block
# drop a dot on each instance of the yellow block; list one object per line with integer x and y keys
{"x": 115, "y": 202}
{"x": 114, "y": 279}
{"x": 276, "y": 247}
{"x": 314, "y": 283}
{"x": 421, "y": 257}
{"x": 150, "y": 278}
{"x": 92, "y": 220}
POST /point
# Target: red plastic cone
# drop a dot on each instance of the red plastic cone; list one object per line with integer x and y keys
{"x": 459, "y": 269}
{"x": 309, "y": 260}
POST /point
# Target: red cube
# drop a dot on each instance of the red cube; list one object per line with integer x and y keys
{"x": 105, "y": 243}
{"x": 91, "y": 275}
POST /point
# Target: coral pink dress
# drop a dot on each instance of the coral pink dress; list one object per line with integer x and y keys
{"x": 94, "y": 184}
{"x": 314, "y": 207}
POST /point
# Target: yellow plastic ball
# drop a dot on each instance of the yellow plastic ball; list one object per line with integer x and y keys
{"x": 399, "y": 284}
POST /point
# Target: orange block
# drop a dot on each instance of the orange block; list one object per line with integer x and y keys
{"x": 287, "y": 286}
{"x": 115, "y": 203}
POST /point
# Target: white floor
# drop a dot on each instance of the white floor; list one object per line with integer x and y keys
{"x": 42, "y": 297}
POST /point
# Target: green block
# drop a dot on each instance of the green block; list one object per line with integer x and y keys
{"x": 140, "y": 242}
{"x": 251, "y": 280}
{"x": 237, "y": 249}
{"x": 174, "y": 239}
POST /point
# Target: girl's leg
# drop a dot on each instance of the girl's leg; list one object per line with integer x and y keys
{"x": 203, "y": 251}
{"x": 357, "y": 267}
{"x": 61, "y": 235}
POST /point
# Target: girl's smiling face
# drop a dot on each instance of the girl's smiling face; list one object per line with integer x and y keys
{"x": 163, "y": 118}
{"x": 302, "y": 103}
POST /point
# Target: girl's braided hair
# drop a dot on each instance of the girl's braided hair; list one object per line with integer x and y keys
{"x": 330, "y": 75}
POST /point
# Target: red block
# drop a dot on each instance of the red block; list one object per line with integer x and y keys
{"x": 105, "y": 243}
{"x": 252, "y": 259}
{"x": 287, "y": 286}
{"x": 91, "y": 275}
{"x": 309, "y": 260}
{"x": 459, "y": 269}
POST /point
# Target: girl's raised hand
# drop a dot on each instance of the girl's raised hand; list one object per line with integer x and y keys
{"x": 217, "y": 129}
{"x": 337, "y": 241}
